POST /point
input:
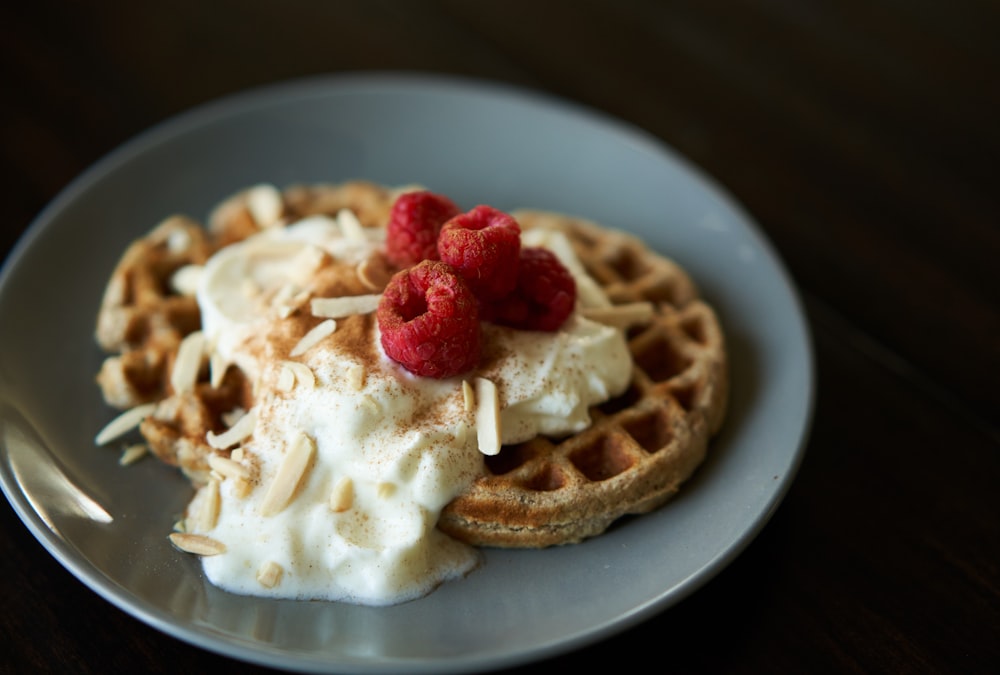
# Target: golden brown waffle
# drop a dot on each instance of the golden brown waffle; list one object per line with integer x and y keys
{"x": 642, "y": 445}
{"x": 144, "y": 315}
{"x": 142, "y": 319}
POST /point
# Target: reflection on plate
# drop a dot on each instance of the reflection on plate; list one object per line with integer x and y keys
{"x": 478, "y": 143}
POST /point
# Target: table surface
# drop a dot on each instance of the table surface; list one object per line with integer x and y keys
{"x": 861, "y": 134}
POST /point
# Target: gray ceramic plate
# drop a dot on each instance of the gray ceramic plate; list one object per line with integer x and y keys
{"x": 477, "y": 143}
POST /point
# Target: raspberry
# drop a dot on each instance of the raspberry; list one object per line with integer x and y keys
{"x": 429, "y": 321}
{"x": 483, "y": 245}
{"x": 414, "y": 223}
{"x": 545, "y": 294}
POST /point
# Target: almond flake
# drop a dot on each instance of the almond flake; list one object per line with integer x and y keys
{"x": 197, "y": 543}
{"x": 365, "y": 275}
{"x": 350, "y": 226}
{"x": 288, "y": 298}
{"x": 265, "y": 204}
{"x": 286, "y": 378}
{"x": 342, "y": 495}
{"x": 208, "y": 511}
{"x": 124, "y": 423}
{"x": 231, "y": 417}
{"x": 621, "y": 316}
{"x": 234, "y": 434}
{"x": 356, "y": 376}
{"x": 487, "y": 417}
{"x": 288, "y": 307}
{"x": 386, "y": 489}
{"x": 301, "y": 373}
{"x": 269, "y": 574}
{"x": 293, "y": 468}
{"x": 133, "y": 454}
{"x": 306, "y": 262}
{"x": 188, "y": 363}
{"x": 469, "y": 396}
{"x": 343, "y": 306}
{"x": 227, "y": 467}
{"x": 185, "y": 279}
{"x": 314, "y": 336}
{"x": 241, "y": 488}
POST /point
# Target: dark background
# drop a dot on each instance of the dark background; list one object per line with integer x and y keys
{"x": 863, "y": 136}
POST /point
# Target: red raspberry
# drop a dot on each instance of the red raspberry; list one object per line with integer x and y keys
{"x": 414, "y": 223}
{"x": 483, "y": 245}
{"x": 544, "y": 297}
{"x": 429, "y": 321}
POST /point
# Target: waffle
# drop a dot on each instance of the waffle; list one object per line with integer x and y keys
{"x": 641, "y": 446}
{"x": 145, "y": 313}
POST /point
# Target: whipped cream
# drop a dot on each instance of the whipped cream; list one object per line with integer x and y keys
{"x": 387, "y": 449}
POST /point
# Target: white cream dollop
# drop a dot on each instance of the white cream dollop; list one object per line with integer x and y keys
{"x": 405, "y": 445}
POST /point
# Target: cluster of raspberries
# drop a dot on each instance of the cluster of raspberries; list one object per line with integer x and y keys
{"x": 458, "y": 269}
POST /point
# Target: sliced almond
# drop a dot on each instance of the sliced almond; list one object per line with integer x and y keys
{"x": 188, "y": 363}
{"x": 355, "y": 375}
{"x": 468, "y": 396}
{"x": 265, "y": 204}
{"x": 284, "y": 294}
{"x": 487, "y": 416}
{"x": 231, "y": 417}
{"x": 208, "y": 510}
{"x": 133, "y": 454}
{"x": 347, "y": 305}
{"x": 306, "y": 262}
{"x": 288, "y": 307}
{"x": 350, "y": 226}
{"x": 291, "y": 472}
{"x": 185, "y": 279}
{"x": 367, "y": 276}
{"x": 235, "y": 434}
{"x": 286, "y": 378}
{"x": 301, "y": 373}
{"x": 269, "y": 574}
{"x": 198, "y": 544}
{"x": 313, "y": 337}
{"x": 386, "y": 489}
{"x": 342, "y": 495}
{"x": 621, "y": 316}
{"x": 228, "y": 468}
{"x": 241, "y": 488}
{"x": 124, "y": 423}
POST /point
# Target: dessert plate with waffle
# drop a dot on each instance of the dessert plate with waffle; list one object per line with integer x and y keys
{"x": 611, "y": 505}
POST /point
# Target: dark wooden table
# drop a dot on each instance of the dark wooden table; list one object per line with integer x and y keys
{"x": 863, "y": 135}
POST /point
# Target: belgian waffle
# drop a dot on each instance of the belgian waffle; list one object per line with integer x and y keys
{"x": 145, "y": 312}
{"x": 641, "y": 446}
